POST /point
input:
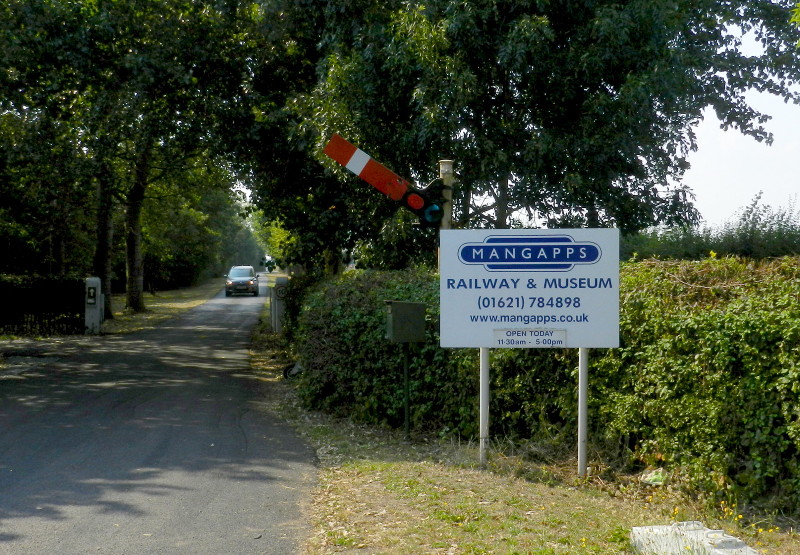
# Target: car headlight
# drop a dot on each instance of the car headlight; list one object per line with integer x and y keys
{"x": 229, "y": 282}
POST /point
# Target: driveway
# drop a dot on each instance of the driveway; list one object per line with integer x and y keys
{"x": 154, "y": 442}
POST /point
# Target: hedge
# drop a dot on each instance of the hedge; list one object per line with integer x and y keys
{"x": 705, "y": 382}
{"x": 352, "y": 369}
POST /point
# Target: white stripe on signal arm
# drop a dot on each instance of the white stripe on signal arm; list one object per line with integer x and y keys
{"x": 357, "y": 161}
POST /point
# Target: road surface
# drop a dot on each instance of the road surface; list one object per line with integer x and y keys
{"x": 153, "y": 442}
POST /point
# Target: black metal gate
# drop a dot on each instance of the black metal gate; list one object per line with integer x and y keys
{"x": 41, "y": 305}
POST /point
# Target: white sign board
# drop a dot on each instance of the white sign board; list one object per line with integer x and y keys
{"x": 529, "y": 288}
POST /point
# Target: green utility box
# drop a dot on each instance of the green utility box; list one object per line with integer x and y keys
{"x": 405, "y": 322}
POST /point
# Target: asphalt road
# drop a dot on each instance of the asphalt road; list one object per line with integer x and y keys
{"x": 154, "y": 442}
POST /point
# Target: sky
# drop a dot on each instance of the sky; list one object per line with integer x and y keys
{"x": 729, "y": 169}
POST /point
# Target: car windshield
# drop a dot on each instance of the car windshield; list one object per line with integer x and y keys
{"x": 240, "y": 272}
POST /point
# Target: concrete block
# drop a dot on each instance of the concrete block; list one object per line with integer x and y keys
{"x": 682, "y": 538}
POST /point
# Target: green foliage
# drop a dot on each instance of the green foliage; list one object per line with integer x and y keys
{"x": 705, "y": 381}
{"x": 272, "y": 238}
{"x": 399, "y": 244}
{"x": 569, "y": 112}
{"x": 576, "y": 113}
{"x": 761, "y": 231}
{"x": 705, "y": 378}
{"x": 351, "y": 368}
{"x": 278, "y": 242}
{"x": 109, "y": 99}
{"x": 682, "y": 243}
{"x": 758, "y": 231}
{"x": 45, "y": 205}
{"x": 193, "y": 230}
{"x": 524, "y": 403}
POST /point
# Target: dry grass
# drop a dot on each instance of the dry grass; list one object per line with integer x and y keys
{"x": 380, "y": 494}
{"x": 160, "y": 307}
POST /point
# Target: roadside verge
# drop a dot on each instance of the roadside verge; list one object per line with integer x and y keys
{"x": 380, "y": 494}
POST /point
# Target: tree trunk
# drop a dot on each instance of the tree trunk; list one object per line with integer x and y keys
{"x": 592, "y": 217}
{"x": 501, "y": 207}
{"x": 333, "y": 262}
{"x": 465, "y": 192}
{"x": 58, "y": 233}
{"x": 105, "y": 236}
{"x": 133, "y": 238}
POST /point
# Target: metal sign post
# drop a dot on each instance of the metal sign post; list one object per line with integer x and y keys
{"x": 405, "y": 323}
{"x": 583, "y": 410}
{"x": 483, "y": 416}
{"x": 448, "y": 179}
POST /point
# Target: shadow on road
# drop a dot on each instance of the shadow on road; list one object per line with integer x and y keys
{"x": 148, "y": 441}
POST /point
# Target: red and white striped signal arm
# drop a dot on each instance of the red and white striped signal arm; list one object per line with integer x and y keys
{"x": 365, "y": 167}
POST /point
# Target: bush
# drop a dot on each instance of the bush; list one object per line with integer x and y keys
{"x": 706, "y": 378}
{"x": 351, "y": 368}
{"x": 705, "y": 381}
{"x": 759, "y": 231}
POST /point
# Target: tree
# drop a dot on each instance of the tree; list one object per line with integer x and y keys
{"x": 193, "y": 228}
{"x": 141, "y": 85}
{"x": 273, "y": 144}
{"x": 557, "y": 113}
{"x": 572, "y": 113}
{"x": 45, "y": 196}
{"x": 45, "y": 205}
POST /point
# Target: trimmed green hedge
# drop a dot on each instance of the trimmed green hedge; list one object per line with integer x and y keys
{"x": 351, "y": 368}
{"x": 708, "y": 375}
{"x": 705, "y": 382}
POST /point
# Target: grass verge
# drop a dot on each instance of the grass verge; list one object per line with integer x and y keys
{"x": 160, "y": 307}
{"x": 378, "y": 493}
